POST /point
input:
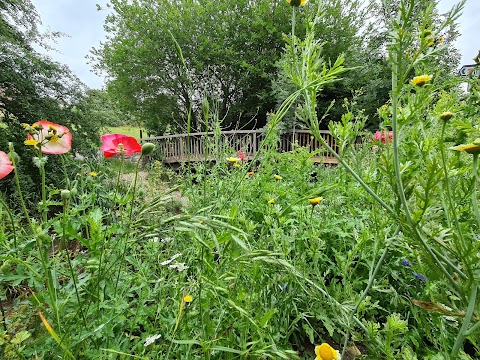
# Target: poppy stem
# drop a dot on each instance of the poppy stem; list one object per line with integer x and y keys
{"x": 44, "y": 190}
{"x": 19, "y": 189}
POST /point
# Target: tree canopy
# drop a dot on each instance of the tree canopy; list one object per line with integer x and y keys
{"x": 229, "y": 52}
{"x": 162, "y": 57}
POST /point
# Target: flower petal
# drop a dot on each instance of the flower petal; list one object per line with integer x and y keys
{"x": 110, "y": 146}
{"x": 469, "y": 148}
{"x": 57, "y": 145}
{"x": 60, "y": 146}
{"x": 5, "y": 165}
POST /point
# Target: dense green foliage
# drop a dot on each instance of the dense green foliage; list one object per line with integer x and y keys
{"x": 229, "y": 51}
{"x": 377, "y": 256}
{"x": 33, "y": 87}
{"x": 163, "y": 58}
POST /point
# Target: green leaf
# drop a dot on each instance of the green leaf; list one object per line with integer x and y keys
{"x": 268, "y": 315}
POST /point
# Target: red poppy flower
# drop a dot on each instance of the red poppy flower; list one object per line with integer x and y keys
{"x": 114, "y": 144}
{"x": 5, "y": 165}
{"x": 241, "y": 155}
{"x": 52, "y": 138}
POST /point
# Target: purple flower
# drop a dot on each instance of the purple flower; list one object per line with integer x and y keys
{"x": 406, "y": 263}
{"x": 420, "y": 277}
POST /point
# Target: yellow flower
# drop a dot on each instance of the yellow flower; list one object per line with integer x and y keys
{"x": 236, "y": 165}
{"x": 271, "y": 201}
{"x": 297, "y": 2}
{"x": 277, "y": 177}
{"x": 233, "y": 159}
{"x": 250, "y": 173}
{"x": 31, "y": 142}
{"x": 93, "y": 174}
{"x": 421, "y": 80}
{"x": 473, "y": 148}
{"x": 188, "y": 298}
{"x": 325, "y": 352}
{"x": 315, "y": 201}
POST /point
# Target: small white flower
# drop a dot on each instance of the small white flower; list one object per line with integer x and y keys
{"x": 166, "y": 240}
{"x": 166, "y": 262}
{"x": 155, "y": 239}
{"x": 179, "y": 266}
{"x": 151, "y": 339}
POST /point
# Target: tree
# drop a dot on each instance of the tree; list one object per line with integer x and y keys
{"x": 360, "y": 31}
{"x": 33, "y": 87}
{"x": 229, "y": 50}
{"x": 339, "y": 26}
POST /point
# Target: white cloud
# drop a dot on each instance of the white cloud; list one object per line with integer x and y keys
{"x": 467, "y": 43}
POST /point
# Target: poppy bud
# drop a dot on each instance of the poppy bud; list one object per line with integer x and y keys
{"x": 147, "y": 148}
{"x": 65, "y": 194}
{"x": 446, "y": 115}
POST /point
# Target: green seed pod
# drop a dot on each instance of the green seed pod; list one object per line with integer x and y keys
{"x": 148, "y": 148}
{"x": 73, "y": 187}
{"x": 65, "y": 194}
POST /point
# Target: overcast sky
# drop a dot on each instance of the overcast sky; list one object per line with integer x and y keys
{"x": 83, "y": 24}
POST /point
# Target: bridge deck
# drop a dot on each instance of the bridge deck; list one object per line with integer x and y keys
{"x": 181, "y": 148}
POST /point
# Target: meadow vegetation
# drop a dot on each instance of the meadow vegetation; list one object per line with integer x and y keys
{"x": 273, "y": 258}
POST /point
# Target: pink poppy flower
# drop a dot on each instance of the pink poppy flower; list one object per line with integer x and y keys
{"x": 52, "y": 138}
{"x": 382, "y": 136}
{"x": 114, "y": 144}
{"x": 241, "y": 155}
{"x": 5, "y": 165}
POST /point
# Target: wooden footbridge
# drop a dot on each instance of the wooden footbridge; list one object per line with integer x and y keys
{"x": 201, "y": 146}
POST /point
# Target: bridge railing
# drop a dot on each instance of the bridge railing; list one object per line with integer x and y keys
{"x": 210, "y": 145}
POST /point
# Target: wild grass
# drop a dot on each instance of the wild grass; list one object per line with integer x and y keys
{"x": 126, "y": 130}
{"x": 385, "y": 266}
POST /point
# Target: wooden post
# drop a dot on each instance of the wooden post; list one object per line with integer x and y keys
{"x": 294, "y": 136}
